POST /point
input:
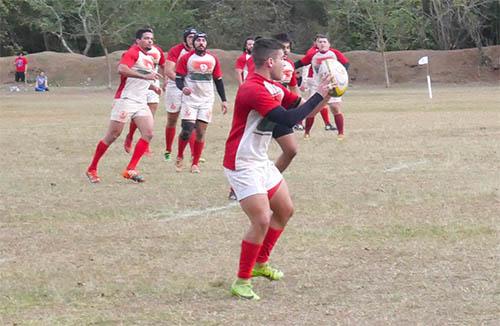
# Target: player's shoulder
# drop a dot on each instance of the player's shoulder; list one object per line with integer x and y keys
{"x": 157, "y": 48}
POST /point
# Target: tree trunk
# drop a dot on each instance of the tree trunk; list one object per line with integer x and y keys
{"x": 386, "y": 70}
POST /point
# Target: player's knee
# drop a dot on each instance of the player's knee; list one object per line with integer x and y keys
{"x": 187, "y": 129}
{"x": 148, "y": 135}
{"x": 262, "y": 224}
{"x": 291, "y": 152}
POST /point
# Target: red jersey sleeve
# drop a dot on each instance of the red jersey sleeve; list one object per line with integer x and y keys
{"x": 217, "y": 73}
{"x": 340, "y": 56}
{"x": 174, "y": 52}
{"x": 240, "y": 62}
{"x": 162, "y": 60}
{"x": 181, "y": 67}
{"x": 289, "y": 98}
{"x": 130, "y": 57}
{"x": 307, "y": 58}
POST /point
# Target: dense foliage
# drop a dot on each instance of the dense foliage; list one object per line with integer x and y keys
{"x": 92, "y": 27}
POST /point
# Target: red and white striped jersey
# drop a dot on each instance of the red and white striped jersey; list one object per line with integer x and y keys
{"x": 135, "y": 88}
{"x": 251, "y": 132}
{"x": 200, "y": 71}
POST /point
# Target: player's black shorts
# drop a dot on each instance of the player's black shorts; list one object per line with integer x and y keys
{"x": 20, "y": 76}
{"x": 281, "y": 130}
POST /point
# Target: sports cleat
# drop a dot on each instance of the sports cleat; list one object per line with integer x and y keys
{"x": 202, "y": 160}
{"x": 307, "y": 136}
{"x": 232, "y": 195}
{"x": 265, "y": 270}
{"x": 195, "y": 169}
{"x": 330, "y": 127}
{"x": 340, "y": 137}
{"x": 93, "y": 177}
{"x": 178, "y": 165}
{"x": 127, "y": 144}
{"x": 133, "y": 175}
{"x": 243, "y": 290}
{"x": 167, "y": 156}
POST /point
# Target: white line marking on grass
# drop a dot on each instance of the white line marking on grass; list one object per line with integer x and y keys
{"x": 187, "y": 214}
{"x": 402, "y": 166}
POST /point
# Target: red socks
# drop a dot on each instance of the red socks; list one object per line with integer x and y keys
{"x": 99, "y": 152}
{"x": 248, "y": 256}
{"x": 339, "y": 122}
{"x": 309, "y": 124}
{"x": 181, "y": 146}
{"x": 192, "y": 139}
{"x": 169, "y": 138}
{"x": 140, "y": 148}
{"x": 325, "y": 115}
{"x": 268, "y": 244}
{"x": 198, "y": 148}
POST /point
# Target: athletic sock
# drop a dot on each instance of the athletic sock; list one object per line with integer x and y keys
{"x": 180, "y": 148}
{"x": 192, "y": 140}
{"x": 99, "y": 152}
{"x": 140, "y": 148}
{"x": 248, "y": 256}
{"x": 325, "y": 115}
{"x": 309, "y": 124}
{"x": 169, "y": 138}
{"x": 270, "y": 240}
{"x": 339, "y": 122}
{"x": 198, "y": 149}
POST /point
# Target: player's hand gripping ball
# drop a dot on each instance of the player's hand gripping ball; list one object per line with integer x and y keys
{"x": 340, "y": 78}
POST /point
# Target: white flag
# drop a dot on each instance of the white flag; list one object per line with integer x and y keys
{"x": 423, "y": 60}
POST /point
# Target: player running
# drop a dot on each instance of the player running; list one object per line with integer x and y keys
{"x": 153, "y": 98}
{"x": 196, "y": 72}
{"x": 136, "y": 68}
{"x": 263, "y": 194}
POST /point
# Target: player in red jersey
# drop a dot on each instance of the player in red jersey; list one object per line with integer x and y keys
{"x": 136, "y": 68}
{"x": 152, "y": 97}
{"x": 263, "y": 194}
{"x": 196, "y": 72}
{"x": 241, "y": 66}
{"x": 315, "y": 57}
{"x": 173, "y": 96}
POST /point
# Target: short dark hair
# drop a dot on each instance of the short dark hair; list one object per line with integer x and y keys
{"x": 264, "y": 49}
{"x": 245, "y": 43}
{"x": 282, "y": 37}
{"x": 320, "y": 36}
{"x": 140, "y": 32}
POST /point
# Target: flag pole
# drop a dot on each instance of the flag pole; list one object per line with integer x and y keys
{"x": 429, "y": 79}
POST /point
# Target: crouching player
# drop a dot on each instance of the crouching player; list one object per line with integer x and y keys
{"x": 259, "y": 186}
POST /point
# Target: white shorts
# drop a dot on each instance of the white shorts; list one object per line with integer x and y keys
{"x": 153, "y": 97}
{"x": 125, "y": 109}
{"x": 252, "y": 181}
{"x": 173, "y": 99}
{"x": 201, "y": 112}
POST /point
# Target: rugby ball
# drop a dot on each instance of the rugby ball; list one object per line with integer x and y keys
{"x": 340, "y": 78}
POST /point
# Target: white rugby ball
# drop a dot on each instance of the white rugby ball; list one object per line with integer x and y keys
{"x": 340, "y": 78}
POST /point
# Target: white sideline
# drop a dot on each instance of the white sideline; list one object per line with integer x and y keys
{"x": 186, "y": 214}
{"x": 402, "y": 166}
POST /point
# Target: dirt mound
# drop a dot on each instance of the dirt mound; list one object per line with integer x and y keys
{"x": 458, "y": 66}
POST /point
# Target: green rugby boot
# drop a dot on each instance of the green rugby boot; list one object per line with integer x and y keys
{"x": 267, "y": 271}
{"x": 243, "y": 289}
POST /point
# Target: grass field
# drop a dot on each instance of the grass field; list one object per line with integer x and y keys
{"x": 398, "y": 224}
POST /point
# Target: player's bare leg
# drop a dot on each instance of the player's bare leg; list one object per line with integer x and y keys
{"x": 257, "y": 208}
{"x": 289, "y": 147}
{"x": 282, "y": 207}
{"x": 114, "y": 130}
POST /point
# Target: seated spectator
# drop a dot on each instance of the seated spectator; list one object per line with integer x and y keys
{"x": 42, "y": 84}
